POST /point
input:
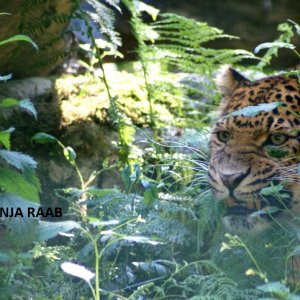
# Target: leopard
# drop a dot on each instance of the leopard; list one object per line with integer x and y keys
{"x": 240, "y": 165}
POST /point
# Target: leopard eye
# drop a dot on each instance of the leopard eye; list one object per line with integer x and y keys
{"x": 278, "y": 139}
{"x": 223, "y": 136}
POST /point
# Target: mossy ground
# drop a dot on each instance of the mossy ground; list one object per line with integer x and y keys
{"x": 83, "y": 97}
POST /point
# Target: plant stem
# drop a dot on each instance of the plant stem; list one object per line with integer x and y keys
{"x": 97, "y": 258}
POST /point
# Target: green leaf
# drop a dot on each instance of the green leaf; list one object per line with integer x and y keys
{"x": 272, "y": 45}
{"x": 8, "y": 102}
{"x": 5, "y": 139}
{"x": 19, "y": 37}
{"x": 44, "y": 138}
{"x": 135, "y": 175}
{"x": 18, "y": 160}
{"x": 29, "y": 106}
{"x": 149, "y": 198}
{"x": 150, "y": 193}
{"x": 97, "y": 223}
{"x": 152, "y": 11}
{"x": 100, "y": 192}
{"x": 5, "y": 77}
{"x": 276, "y": 151}
{"x": 48, "y": 230}
{"x": 140, "y": 239}
{"x": 152, "y": 266}
{"x": 77, "y": 271}
{"x": 20, "y": 226}
{"x": 70, "y": 154}
{"x": 252, "y": 111}
{"x": 273, "y": 287}
{"x": 297, "y": 26}
{"x": 30, "y": 176}
{"x": 273, "y": 189}
{"x": 13, "y": 182}
{"x": 125, "y": 176}
{"x": 268, "y": 210}
{"x": 127, "y": 132}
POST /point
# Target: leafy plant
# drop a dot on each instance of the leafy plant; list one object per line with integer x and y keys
{"x": 105, "y": 19}
{"x": 18, "y": 181}
{"x": 103, "y": 15}
{"x": 283, "y": 41}
{"x": 143, "y": 33}
{"x": 19, "y": 192}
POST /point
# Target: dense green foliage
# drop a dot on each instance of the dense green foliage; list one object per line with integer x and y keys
{"x": 159, "y": 235}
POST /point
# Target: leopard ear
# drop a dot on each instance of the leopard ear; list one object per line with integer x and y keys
{"x": 228, "y": 79}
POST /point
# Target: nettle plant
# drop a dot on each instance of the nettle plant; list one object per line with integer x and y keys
{"x": 19, "y": 184}
{"x": 282, "y": 42}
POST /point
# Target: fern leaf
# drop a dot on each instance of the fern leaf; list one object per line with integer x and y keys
{"x": 181, "y": 43}
{"x": 284, "y": 39}
{"x": 104, "y": 17}
{"x": 49, "y": 60}
{"x": 114, "y": 3}
{"x": 29, "y": 5}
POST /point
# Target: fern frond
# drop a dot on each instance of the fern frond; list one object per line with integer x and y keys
{"x": 50, "y": 60}
{"x": 104, "y": 17}
{"x": 29, "y": 5}
{"x": 183, "y": 28}
{"x": 114, "y": 4}
{"x": 181, "y": 44}
{"x": 60, "y": 18}
{"x": 38, "y": 26}
{"x": 34, "y": 28}
{"x": 285, "y": 37}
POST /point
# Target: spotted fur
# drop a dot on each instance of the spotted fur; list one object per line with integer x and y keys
{"x": 240, "y": 165}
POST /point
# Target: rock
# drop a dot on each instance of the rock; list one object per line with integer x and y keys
{"x": 29, "y": 88}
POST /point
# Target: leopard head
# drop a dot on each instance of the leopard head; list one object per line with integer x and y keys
{"x": 241, "y": 164}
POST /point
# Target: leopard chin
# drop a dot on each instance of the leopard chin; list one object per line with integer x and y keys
{"x": 245, "y": 223}
{"x": 257, "y": 216}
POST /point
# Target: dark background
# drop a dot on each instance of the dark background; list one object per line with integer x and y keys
{"x": 254, "y": 21}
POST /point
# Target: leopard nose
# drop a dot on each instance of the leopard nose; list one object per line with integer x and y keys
{"x": 232, "y": 180}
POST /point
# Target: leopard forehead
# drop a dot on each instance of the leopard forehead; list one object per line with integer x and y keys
{"x": 267, "y": 90}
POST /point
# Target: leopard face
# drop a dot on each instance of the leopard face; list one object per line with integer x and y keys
{"x": 240, "y": 164}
